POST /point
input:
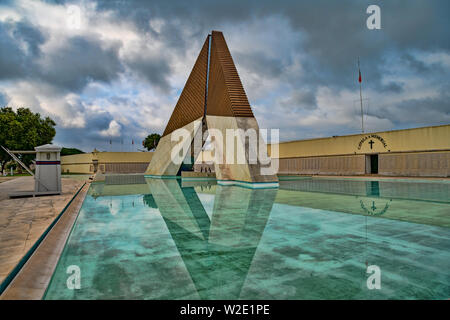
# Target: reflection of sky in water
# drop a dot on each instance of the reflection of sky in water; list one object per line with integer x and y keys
{"x": 309, "y": 239}
{"x": 208, "y": 203}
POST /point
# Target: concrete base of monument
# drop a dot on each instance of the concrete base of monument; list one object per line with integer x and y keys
{"x": 161, "y": 177}
{"x": 246, "y": 172}
{"x": 251, "y": 185}
{"x": 192, "y": 175}
{"x": 162, "y": 163}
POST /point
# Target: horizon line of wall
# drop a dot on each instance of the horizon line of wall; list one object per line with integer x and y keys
{"x": 421, "y": 151}
{"x": 106, "y": 162}
{"x": 415, "y": 152}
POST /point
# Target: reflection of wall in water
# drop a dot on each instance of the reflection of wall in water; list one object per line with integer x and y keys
{"x": 402, "y": 190}
{"x": 392, "y": 200}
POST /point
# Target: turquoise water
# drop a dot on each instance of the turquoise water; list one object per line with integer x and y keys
{"x": 309, "y": 239}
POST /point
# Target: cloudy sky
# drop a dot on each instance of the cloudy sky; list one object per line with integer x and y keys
{"x": 118, "y": 73}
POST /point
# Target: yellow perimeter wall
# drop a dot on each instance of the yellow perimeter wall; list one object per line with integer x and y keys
{"x": 409, "y": 140}
{"x": 118, "y": 162}
{"x": 411, "y": 152}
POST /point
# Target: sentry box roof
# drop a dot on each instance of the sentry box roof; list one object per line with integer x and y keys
{"x": 48, "y": 148}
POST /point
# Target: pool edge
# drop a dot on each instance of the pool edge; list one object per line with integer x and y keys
{"x": 33, "y": 273}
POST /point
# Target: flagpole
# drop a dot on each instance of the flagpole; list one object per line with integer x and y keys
{"x": 360, "y": 97}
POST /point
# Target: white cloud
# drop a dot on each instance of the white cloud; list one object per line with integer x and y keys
{"x": 112, "y": 131}
{"x": 271, "y": 56}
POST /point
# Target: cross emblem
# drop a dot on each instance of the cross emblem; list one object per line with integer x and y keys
{"x": 371, "y": 143}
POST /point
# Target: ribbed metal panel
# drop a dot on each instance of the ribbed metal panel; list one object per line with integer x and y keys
{"x": 226, "y": 95}
{"x": 190, "y": 105}
{"x": 219, "y": 103}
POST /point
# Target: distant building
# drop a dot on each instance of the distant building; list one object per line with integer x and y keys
{"x": 106, "y": 162}
{"x": 420, "y": 152}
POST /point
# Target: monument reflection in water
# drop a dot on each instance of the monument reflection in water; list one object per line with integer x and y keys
{"x": 217, "y": 250}
{"x": 139, "y": 238}
{"x": 216, "y": 244}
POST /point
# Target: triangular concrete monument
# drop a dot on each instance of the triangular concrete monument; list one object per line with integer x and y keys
{"x": 214, "y": 99}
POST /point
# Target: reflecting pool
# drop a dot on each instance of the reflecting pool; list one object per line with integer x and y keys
{"x": 145, "y": 238}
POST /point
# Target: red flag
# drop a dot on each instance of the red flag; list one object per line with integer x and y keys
{"x": 132, "y": 141}
{"x": 359, "y": 80}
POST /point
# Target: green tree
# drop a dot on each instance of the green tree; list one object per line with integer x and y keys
{"x": 23, "y": 130}
{"x": 70, "y": 151}
{"x": 151, "y": 142}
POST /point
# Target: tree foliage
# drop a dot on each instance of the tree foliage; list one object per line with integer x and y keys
{"x": 23, "y": 130}
{"x": 151, "y": 142}
{"x": 70, "y": 151}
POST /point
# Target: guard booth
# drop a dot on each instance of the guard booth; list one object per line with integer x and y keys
{"x": 48, "y": 169}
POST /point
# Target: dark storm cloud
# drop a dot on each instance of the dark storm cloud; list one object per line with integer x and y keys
{"x": 300, "y": 99}
{"x": 88, "y": 136}
{"x": 416, "y": 65}
{"x": 393, "y": 87}
{"x": 336, "y": 31}
{"x": 155, "y": 70}
{"x": 81, "y": 60}
{"x": 336, "y": 35}
{"x": 98, "y": 122}
{"x": 78, "y": 61}
{"x": 325, "y": 36}
{"x": 260, "y": 63}
{"x": 433, "y": 70}
{"x": 19, "y": 46}
{"x": 418, "y": 112}
{"x": 30, "y": 35}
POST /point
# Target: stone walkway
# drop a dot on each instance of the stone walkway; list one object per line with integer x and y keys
{"x": 7, "y": 178}
{"x": 23, "y": 220}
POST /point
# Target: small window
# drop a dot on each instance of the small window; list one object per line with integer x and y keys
{"x": 48, "y": 156}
